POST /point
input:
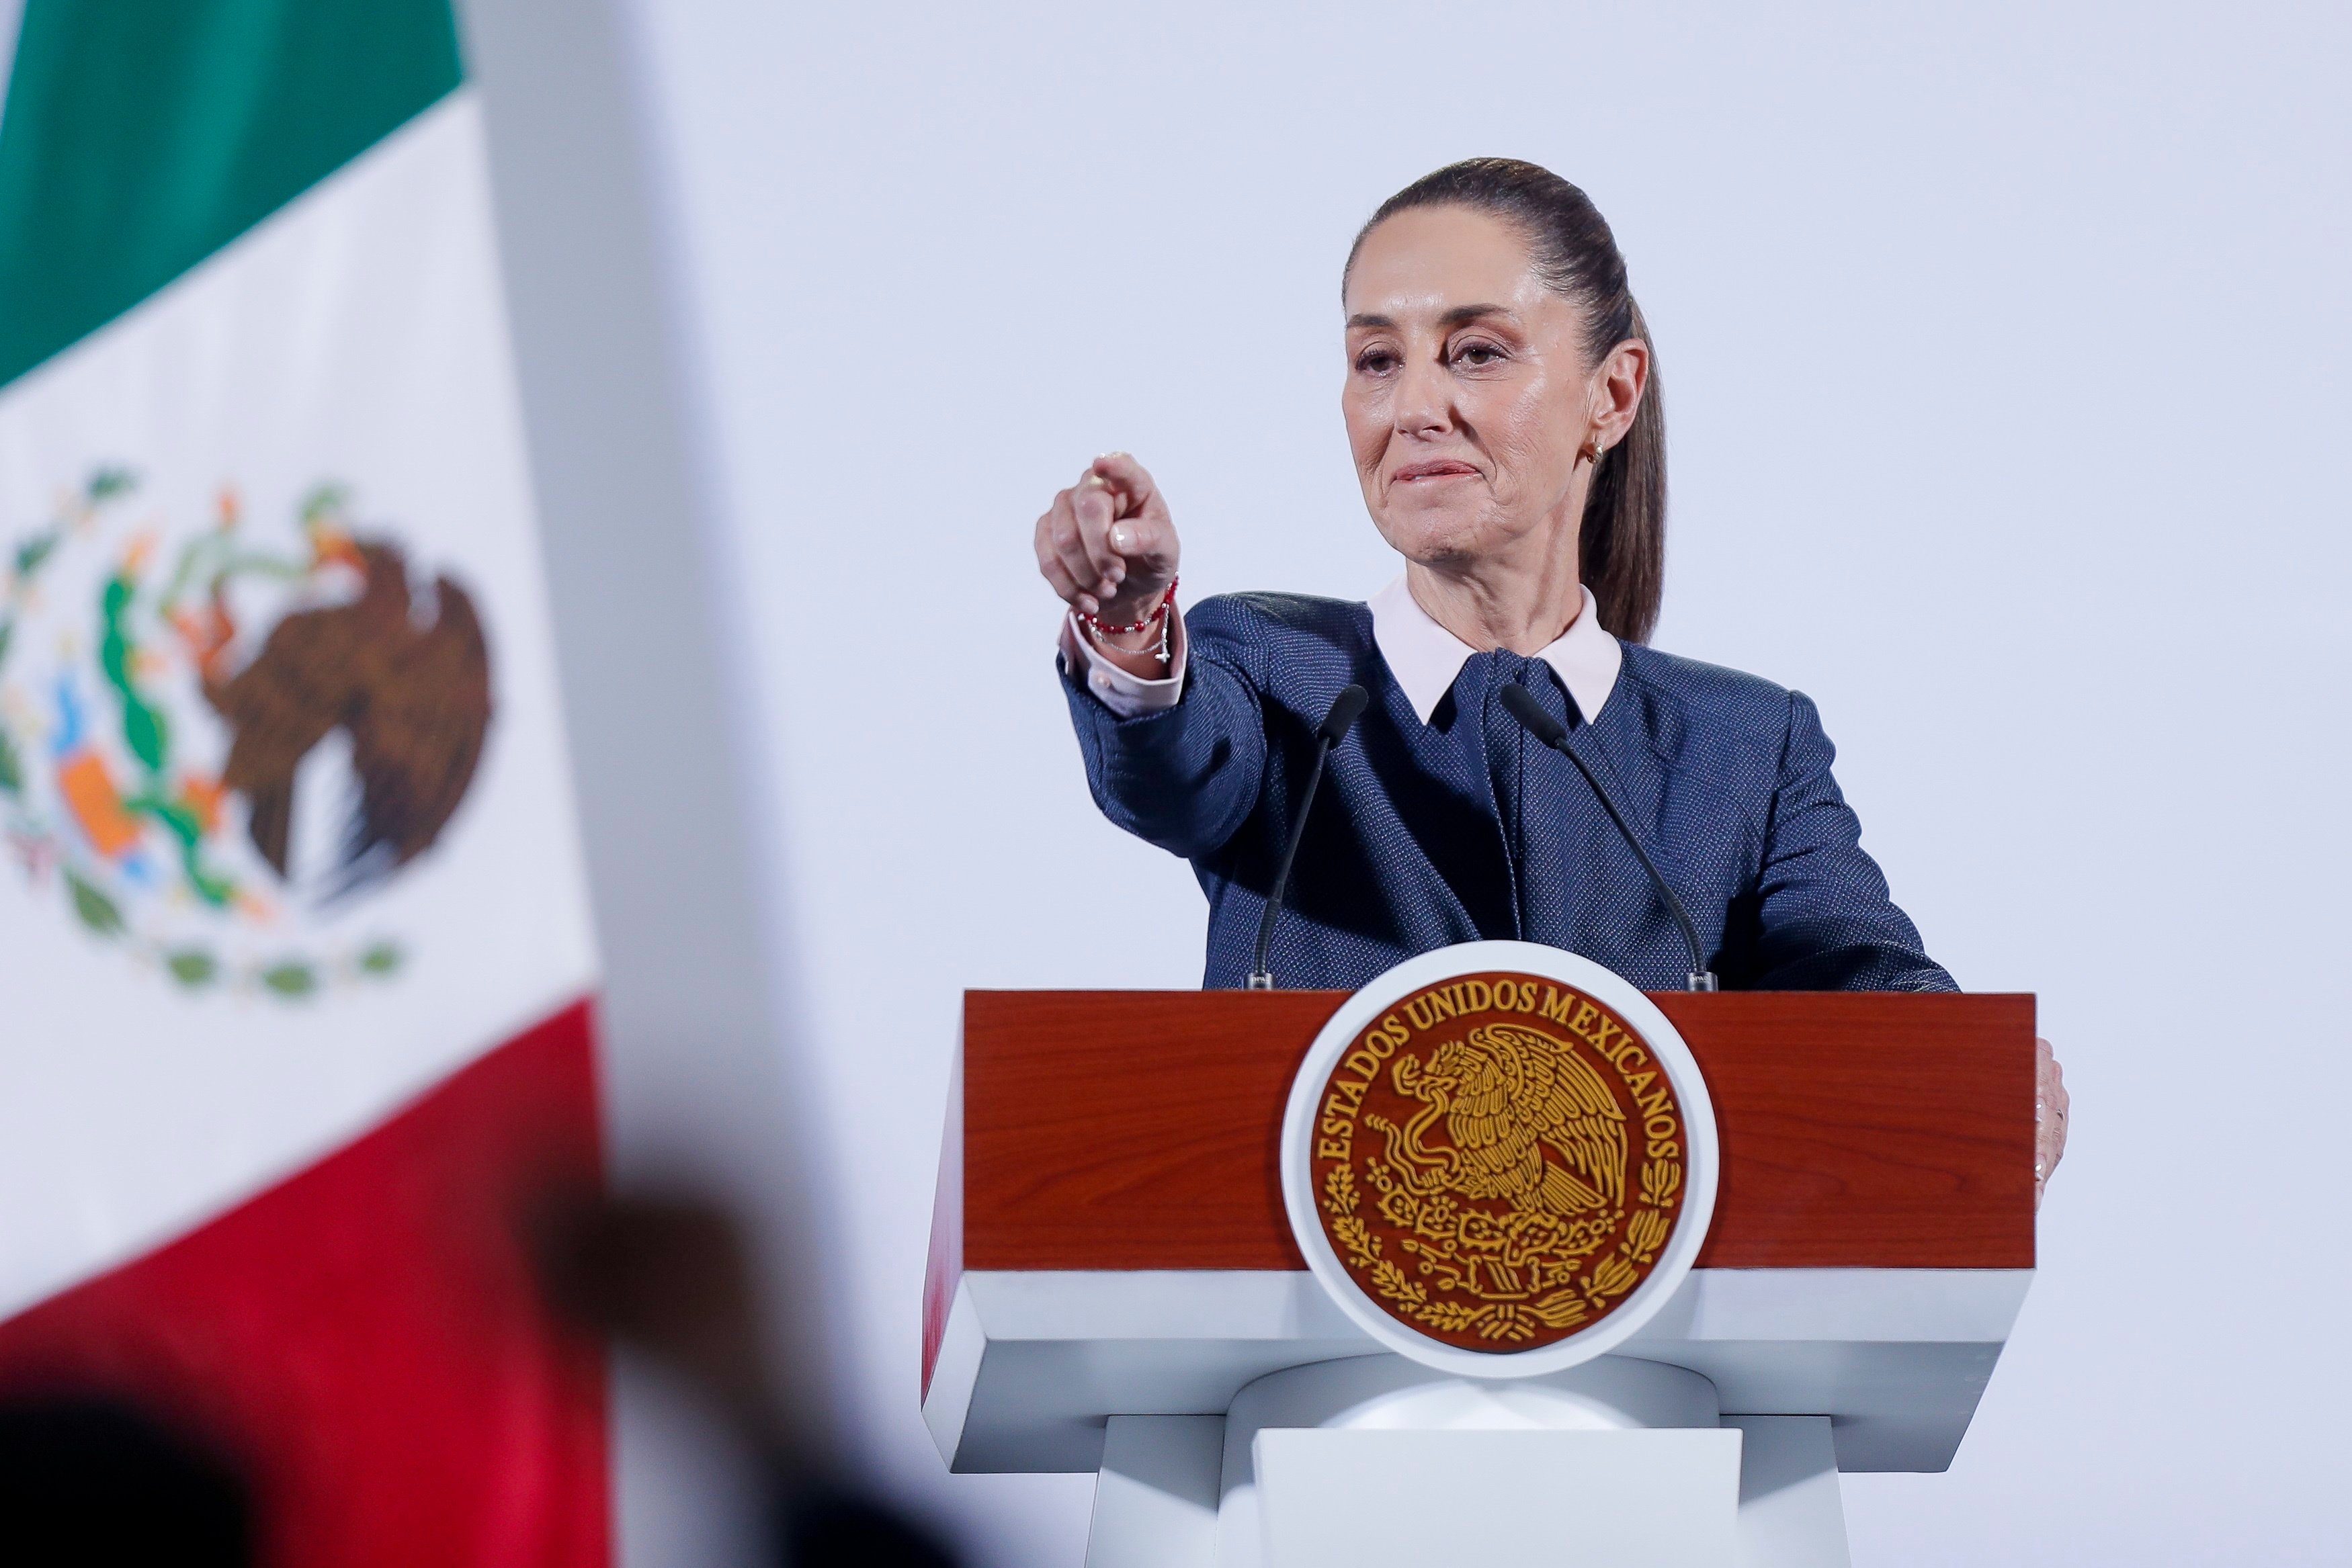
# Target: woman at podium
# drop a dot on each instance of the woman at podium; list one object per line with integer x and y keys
{"x": 1502, "y": 406}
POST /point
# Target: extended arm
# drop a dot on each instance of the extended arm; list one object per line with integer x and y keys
{"x": 1174, "y": 746}
{"x": 1180, "y": 769}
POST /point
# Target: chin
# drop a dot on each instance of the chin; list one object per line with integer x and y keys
{"x": 1434, "y": 534}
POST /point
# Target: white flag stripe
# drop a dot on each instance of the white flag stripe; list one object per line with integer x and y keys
{"x": 357, "y": 337}
{"x": 12, "y": 15}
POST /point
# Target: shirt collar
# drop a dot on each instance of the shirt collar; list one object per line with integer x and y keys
{"x": 1425, "y": 658}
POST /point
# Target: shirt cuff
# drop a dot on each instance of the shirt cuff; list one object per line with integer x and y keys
{"x": 1127, "y": 695}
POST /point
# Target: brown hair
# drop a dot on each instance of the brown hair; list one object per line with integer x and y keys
{"x": 1622, "y": 546}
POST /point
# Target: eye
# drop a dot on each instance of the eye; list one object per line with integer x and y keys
{"x": 1376, "y": 361}
{"x": 1477, "y": 354}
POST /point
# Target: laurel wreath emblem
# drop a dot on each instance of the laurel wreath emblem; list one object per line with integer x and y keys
{"x": 1486, "y": 1248}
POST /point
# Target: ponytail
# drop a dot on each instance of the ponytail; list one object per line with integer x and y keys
{"x": 1621, "y": 550}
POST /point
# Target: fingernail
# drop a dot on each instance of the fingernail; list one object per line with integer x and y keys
{"x": 1122, "y": 538}
{"x": 1087, "y": 603}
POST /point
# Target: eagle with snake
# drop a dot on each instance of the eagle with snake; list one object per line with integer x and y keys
{"x": 411, "y": 690}
{"x": 1527, "y": 1119}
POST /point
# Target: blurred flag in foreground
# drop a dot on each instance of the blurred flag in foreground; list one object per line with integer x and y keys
{"x": 295, "y": 957}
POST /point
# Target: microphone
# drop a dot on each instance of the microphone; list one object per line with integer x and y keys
{"x": 1344, "y": 708}
{"x": 1529, "y": 711}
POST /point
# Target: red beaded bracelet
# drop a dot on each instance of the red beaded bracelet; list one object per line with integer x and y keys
{"x": 1094, "y": 623}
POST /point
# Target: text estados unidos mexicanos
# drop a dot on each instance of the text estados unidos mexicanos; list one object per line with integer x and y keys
{"x": 1652, "y": 1096}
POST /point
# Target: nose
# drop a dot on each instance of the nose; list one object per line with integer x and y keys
{"x": 1425, "y": 403}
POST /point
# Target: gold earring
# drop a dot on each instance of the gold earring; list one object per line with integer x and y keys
{"x": 1594, "y": 451}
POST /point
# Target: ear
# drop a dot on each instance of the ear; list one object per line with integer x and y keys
{"x": 1618, "y": 383}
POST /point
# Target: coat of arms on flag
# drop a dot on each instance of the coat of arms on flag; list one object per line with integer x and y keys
{"x": 215, "y": 738}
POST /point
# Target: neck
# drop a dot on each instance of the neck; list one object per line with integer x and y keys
{"x": 1523, "y": 599}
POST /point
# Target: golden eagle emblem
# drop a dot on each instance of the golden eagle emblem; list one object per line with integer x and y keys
{"x": 1499, "y": 1174}
{"x": 1528, "y": 1122}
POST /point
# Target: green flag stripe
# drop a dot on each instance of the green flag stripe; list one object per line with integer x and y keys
{"x": 140, "y": 136}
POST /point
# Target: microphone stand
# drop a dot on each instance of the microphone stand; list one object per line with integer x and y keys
{"x": 1344, "y": 707}
{"x": 1528, "y": 711}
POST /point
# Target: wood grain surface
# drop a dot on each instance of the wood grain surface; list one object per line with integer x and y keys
{"x": 1142, "y": 1129}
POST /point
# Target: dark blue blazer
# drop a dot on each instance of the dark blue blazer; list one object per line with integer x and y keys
{"x": 1467, "y": 826}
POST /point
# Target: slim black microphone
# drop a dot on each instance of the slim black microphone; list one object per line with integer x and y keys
{"x": 1529, "y": 711}
{"x": 1344, "y": 708}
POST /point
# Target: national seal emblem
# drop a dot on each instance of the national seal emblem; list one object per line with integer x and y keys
{"x": 1497, "y": 1162}
{"x": 216, "y": 738}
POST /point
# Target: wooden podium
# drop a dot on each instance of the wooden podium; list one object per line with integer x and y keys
{"x": 1111, "y": 1266}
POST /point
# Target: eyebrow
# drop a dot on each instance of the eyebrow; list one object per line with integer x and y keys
{"x": 1456, "y": 317}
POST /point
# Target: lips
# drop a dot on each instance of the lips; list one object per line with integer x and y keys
{"x": 1446, "y": 469}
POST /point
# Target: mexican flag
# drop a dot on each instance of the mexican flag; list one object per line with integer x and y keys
{"x": 295, "y": 953}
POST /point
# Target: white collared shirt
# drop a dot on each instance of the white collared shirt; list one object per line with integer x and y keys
{"x": 1424, "y": 657}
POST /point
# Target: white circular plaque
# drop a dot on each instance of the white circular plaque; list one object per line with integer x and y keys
{"x": 1499, "y": 1158}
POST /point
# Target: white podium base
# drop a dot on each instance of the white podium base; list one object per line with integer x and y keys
{"x": 1375, "y": 1459}
{"x": 1406, "y": 1500}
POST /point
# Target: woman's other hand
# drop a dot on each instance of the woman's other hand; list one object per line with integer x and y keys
{"x": 2049, "y": 1117}
{"x": 1106, "y": 545}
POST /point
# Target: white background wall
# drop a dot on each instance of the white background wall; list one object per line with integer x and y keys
{"x": 2005, "y": 351}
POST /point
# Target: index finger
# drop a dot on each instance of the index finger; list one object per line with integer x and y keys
{"x": 1123, "y": 473}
